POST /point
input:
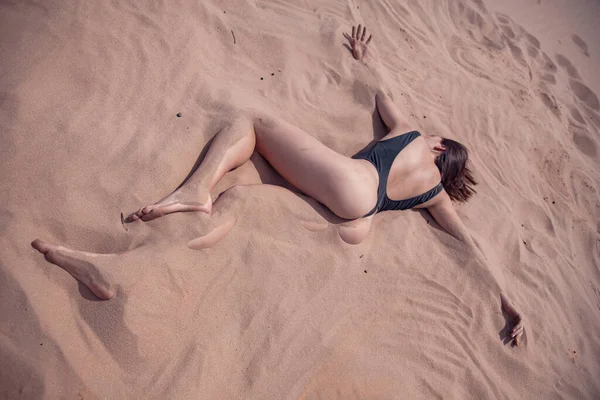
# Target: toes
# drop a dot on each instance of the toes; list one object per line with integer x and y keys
{"x": 132, "y": 217}
{"x": 152, "y": 214}
{"x": 517, "y": 339}
{"x": 138, "y": 214}
{"x": 103, "y": 291}
{"x": 517, "y": 327}
{"x": 41, "y": 246}
{"x": 517, "y": 335}
{"x": 517, "y": 330}
{"x": 147, "y": 217}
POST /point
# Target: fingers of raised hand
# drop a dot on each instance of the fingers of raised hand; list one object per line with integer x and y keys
{"x": 517, "y": 339}
{"x": 517, "y": 330}
{"x": 517, "y": 333}
{"x": 360, "y": 33}
{"x": 349, "y": 38}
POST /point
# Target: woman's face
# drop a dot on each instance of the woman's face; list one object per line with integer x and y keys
{"x": 436, "y": 139}
{"x": 435, "y": 143}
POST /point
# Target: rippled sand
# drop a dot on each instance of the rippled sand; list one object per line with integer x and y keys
{"x": 282, "y": 307}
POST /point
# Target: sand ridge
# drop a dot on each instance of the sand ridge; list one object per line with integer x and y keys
{"x": 282, "y": 307}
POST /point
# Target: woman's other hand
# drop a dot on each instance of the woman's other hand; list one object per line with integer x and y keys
{"x": 358, "y": 44}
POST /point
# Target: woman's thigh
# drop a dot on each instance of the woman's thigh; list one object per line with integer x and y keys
{"x": 312, "y": 167}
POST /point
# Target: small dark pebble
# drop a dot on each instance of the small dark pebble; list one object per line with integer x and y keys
{"x": 361, "y": 256}
{"x": 224, "y": 12}
{"x": 553, "y": 202}
{"x": 424, "y": 116}
{"x": 261, "y": 78}
{"x": 179, "y": 115}
{"x": 272, "y": 73}
{"x": 41, "y": 344}
{"x": 365, "y": 271}
{"x": 524, "y": 242}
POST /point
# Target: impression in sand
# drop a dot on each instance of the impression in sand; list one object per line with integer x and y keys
{"x": 403, "y": 170}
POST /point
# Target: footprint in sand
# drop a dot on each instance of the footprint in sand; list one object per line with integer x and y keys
{"x": 585, "y": 94}
{"x": 584, "y": 143}
{"x": 576, "y": 115}
{"x": 532, "y": 40}
{"x": 549, "y": 78}
{"x": 548, "y": 65}
{"x": 581, "y": 44}
{"x": 533, "y": 47}
{"x": 508, "y": 27}
{"x": 508, "y": 31}
{"x": 503, "y": 19}
{"x": 516, "y": 52}
{"x": 566, "y": 64}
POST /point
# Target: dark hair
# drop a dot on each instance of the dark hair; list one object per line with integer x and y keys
{"x": 457, "y": 178}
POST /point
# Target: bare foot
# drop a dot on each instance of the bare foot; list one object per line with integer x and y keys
{"x": 85, "y": 272}
{"x": 181, "y": 200}
{"x": 518, "y": 328}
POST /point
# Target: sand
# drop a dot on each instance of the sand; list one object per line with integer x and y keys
{"x": 282, "y": 307}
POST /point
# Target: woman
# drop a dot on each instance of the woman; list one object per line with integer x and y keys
{"x": 404, "y": 170}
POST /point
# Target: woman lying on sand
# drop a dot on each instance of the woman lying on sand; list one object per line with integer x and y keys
{"x": 404, "y": 170}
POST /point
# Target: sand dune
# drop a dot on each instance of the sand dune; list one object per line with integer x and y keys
{"x": 282, "y": 307}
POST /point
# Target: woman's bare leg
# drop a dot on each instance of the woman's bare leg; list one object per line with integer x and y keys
{"x": 72, "y": 262}
{"x": 330, "y": 178}
{"x": 96, "y": 270}
{"x": 232, "y": 147}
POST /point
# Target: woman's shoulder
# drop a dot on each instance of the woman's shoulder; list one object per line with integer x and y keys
{"x": 440, "y": 198}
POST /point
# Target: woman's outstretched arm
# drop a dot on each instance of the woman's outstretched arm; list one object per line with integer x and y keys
{"x": 445, "y": 215}
{"x": 389, "y": 113}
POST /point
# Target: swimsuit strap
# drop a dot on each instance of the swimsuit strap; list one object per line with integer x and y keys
{"x": 415, "y": 200}
{"x": 390, "y": 149}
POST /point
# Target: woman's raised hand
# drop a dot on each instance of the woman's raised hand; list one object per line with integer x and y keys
{"x": 358, "y": 42}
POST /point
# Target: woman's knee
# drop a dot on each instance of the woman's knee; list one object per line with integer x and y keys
{"x": 261, "y": 121}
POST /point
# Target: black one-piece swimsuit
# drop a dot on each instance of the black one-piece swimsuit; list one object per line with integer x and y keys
{"x": 382, "y": 156}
